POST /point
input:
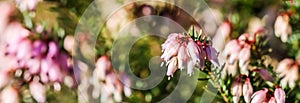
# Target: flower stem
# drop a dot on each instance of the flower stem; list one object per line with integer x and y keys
{"x": 213, "y": 77}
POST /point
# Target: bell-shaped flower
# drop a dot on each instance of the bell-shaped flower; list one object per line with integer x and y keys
{"x": 237, "y": 89}
{"x": 259, "y": 96}
{"x": 279, "y": 95}
{"x": 247, "y": 90}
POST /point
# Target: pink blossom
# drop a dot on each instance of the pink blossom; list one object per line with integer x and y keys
{"x": 282, "y": 28}
{"x": 34, "y": 65}
{"x": 24, "y": 50}
{"x": 53, "y": 49}
{"x": 247, "y": 90}
{"x": 7, "y": 9}
{"x": 182, "y": 57}
{"x": 222, "y": 34}
{"x": 39, "y": 48}
{"x": 193, "y": 51}
{"x": 69, "y": 43}
{"x": 259, "y": 96}
{"x": 237, "y": 89}
{"x": 9, "y": 95}
{"x": 27, "y": 4}
{"x": 126, "y": 82}
{"x": 181, "y": 51}
{"x": 244, "y": 55}
{"x": 4, "y": 78}
{"x": 38, "y": 91}
{"x": 103, "y": 65}
{"x": 172, "y": 66}
{"x": 272, "y": 100}
{"x": 288, "y": 70}
{"x": 279, "y": 95}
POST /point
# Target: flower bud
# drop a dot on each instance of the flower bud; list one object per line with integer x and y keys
{"x": 9, "y": 95}
{"x": 279, "y": 95}
{"x": 236, "y": 89}
{"x": 247, "y": 90}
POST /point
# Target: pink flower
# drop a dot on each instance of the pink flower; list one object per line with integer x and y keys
{"x": 244, "y": 55}
{"x": 259, "y": 96}
{"x": 282, "y": 28}
{"x": 193, "y": 51}
{"x": 272, "y": 100}
{"x": 222, "y": 34}
{"x": 237, "y": 89}
{"x": 181, "y": 50}
{"x": 126, "y": 84}
{"x": 38, "y": 91}
{"x": 53, "y": 49}
{"x": 9, "y": 95}
{"x": 34, "y": 65}
{"x": 247, "y": 90}
{"x": 182, "y": 57}
{"x": 288, "y": 70}
{"x": 39, "y": 48}
{"x": 14, "y": 34}
{"x": 279, "y": 95}
{"x": 24, "y": 50}
{"x": 103, "y": 65}
{"x": 7, "y": 9}
{"x": 212, "y": 55}
{"x": 69, "y": 43}
{"x": 172, "y": 66}
{"x": 27, "y": 4}
{"x": 4, "y": 78}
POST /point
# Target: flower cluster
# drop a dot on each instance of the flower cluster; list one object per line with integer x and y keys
{"x": 266, "y": 95}
{"x": 108, "y": 83}
{"x": 27, "y": 59}
{"x": 288, "y": 71}
{"x": 239, "y": 50}
{"x": 239, "y": 89}
{"x": 180, "y": 50}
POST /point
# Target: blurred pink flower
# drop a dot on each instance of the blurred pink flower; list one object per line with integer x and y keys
{"x": 259, "y": 96}
{"x": 108, "y": 83}
{"x": 247, "y": 90}
{"x": 272, "y": 100}
{"x": 237, "y": 89}
{"x": 222, "y": 34}
{"x": 279, "y": 95}
{"x": 53, "y": 49}
{"x": 103, "y": 65}
{"x": 38, "y": 91}
{"x": 39, "y": 48}
{"x": 282, "y": 28}
{"x": 69, "y": 43}
{"x": 9, "y": 95}
{"x": 288, "y": 71}
{"x": 27, "y": 4}
{"x": 7, "y": 10}
{"x": 4, "y": 78}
